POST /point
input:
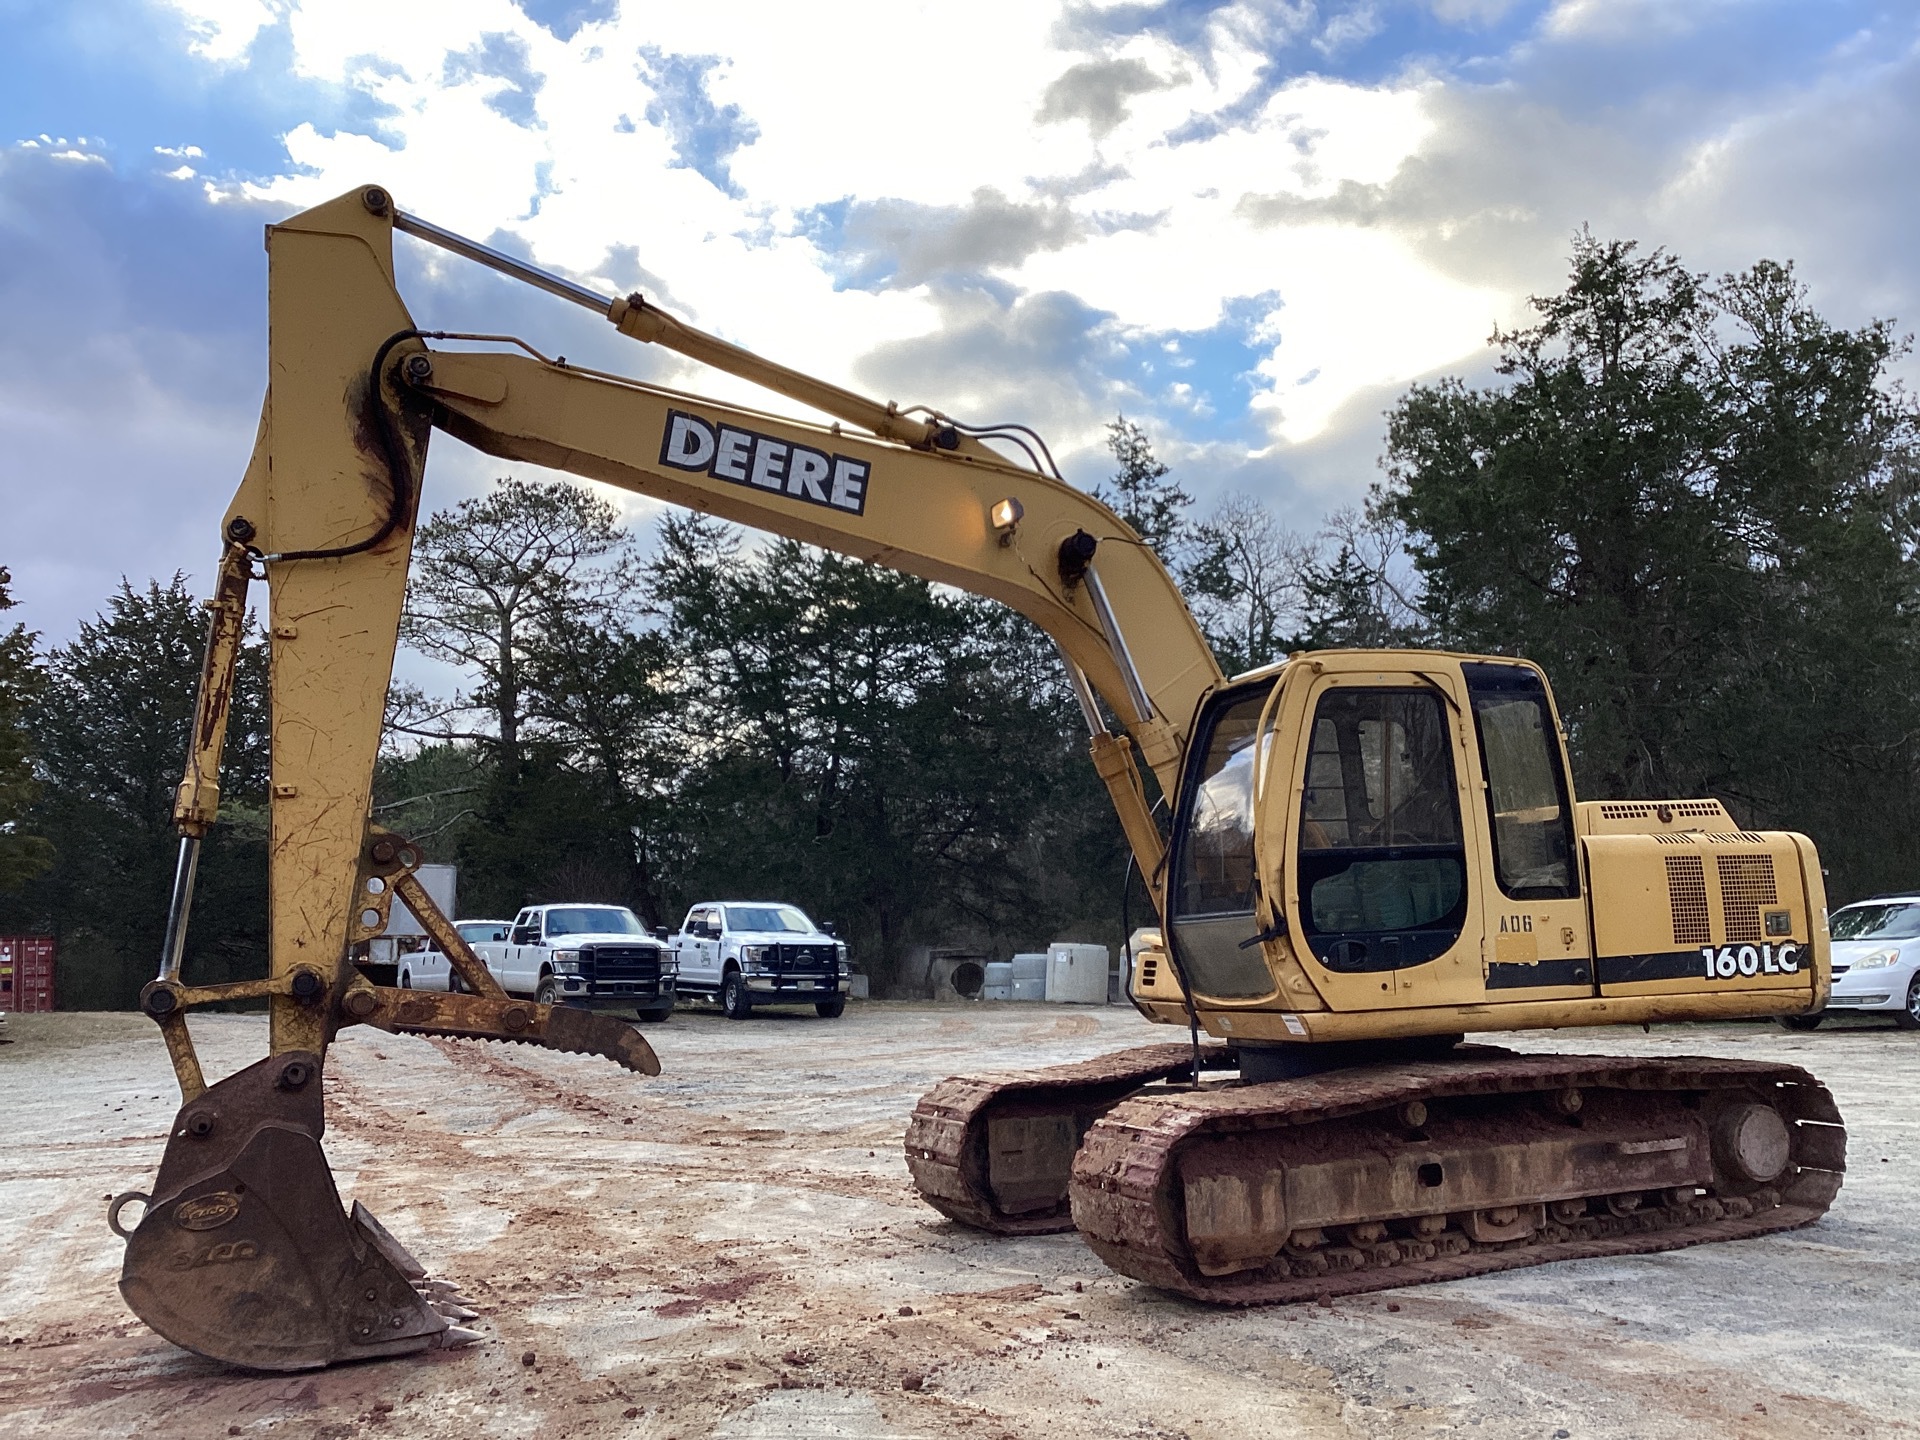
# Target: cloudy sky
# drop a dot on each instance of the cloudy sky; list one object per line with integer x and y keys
{"x": 1247, "y": 225}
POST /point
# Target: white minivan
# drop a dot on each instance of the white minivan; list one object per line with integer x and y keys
{"x": 1876, "y": 962}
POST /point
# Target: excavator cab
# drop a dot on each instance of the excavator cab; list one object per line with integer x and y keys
{"x": 1365, "y": 837}
{"x": 1393, "y": 835}
{"x": 1351, "y": 831}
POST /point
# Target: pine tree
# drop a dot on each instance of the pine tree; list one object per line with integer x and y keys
{"x": 23, "y": 855}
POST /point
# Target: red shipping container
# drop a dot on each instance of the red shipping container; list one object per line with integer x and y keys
{"x": 26, "y": 973}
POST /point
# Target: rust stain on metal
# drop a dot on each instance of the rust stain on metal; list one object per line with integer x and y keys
{"x": 478, "y": 1017}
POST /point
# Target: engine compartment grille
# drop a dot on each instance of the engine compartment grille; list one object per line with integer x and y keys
{"x": 1746, "y": 885}
{"x": 1687, "y": 895}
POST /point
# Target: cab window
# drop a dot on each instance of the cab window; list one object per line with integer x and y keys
{"x": 1216, "y": 858}
{"x": 1382, "y": 867}
{"x": 1212, "y": 905}
{"x": 1527, "y": 807}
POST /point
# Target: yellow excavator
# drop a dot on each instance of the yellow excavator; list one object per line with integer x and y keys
{"x": 1367, "y": 855}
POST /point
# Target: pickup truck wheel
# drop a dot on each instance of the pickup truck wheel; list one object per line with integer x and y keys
{"x": 1799, "y": 1022}
{"x": 406, "y": 979}
{"x": 548, "y": 993}
{"x": 733, "y": 996}
{"x": 654, "y": 1017}
{"x": 830, "y": 1009}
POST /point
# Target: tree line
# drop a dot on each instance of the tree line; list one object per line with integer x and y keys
{"x": 1691, "y": 500}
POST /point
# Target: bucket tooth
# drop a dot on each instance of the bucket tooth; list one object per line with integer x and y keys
{"x": 520, "y": 1022}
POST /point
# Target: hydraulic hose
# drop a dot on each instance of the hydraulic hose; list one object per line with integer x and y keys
{"x": 399, "y": 470}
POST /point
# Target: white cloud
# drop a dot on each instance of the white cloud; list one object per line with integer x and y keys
{"x": 1629, "y": 19}
{"x": 222, "y": 30}
{"x": 834, "y": 116}
{"x": 1013, "y": 216}
{"x": 1352, "y": 27}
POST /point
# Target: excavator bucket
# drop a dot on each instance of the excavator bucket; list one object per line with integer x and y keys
{"x": 244, "y": 1253}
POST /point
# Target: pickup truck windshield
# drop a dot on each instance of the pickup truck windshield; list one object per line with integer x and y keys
{"x": 591, "y": 920}
{"x": 768, "y": 917}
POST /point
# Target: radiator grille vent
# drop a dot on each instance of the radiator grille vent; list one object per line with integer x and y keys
{"x": 1149, "y": 971}
{"x": 1746, "y": 885}
{"x": 1643, "y": 809}
{"x": 1687, "y": 894}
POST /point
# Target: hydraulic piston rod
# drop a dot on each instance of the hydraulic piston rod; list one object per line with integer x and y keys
{"x": 635, "y": 318}
{"x": 196, "y": 803}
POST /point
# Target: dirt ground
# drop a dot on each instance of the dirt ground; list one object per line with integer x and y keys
{"x": 734, "y": 1249}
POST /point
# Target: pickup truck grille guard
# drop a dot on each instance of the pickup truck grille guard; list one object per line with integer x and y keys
{"x": 621, "y": 969}
{"x": 803, "y": 959}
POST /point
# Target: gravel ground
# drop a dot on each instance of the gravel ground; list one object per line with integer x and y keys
{"x": 734, "y": 1249}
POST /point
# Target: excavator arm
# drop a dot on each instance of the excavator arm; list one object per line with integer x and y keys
{"x": 325, "y": 513}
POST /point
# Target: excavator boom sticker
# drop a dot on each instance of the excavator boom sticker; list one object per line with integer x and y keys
{"x": 765, "y": 462}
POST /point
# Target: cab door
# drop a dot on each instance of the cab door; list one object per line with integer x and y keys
{"x": 1382, "y": 884}
{"x": 1538, "y": 940}
{"x": 1214, "y": 894}
{"x": 520, "y": 968}
{"x": 702, "y": 951}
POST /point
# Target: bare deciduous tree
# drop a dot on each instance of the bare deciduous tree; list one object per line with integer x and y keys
{"x": 490, "y": 577}
{"x": 1246, "y": 582}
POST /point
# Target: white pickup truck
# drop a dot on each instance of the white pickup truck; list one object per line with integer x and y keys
{"x": 745, "y": 953}
{"x": 428, "y": 969}
{"x": 597, "y": 956}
